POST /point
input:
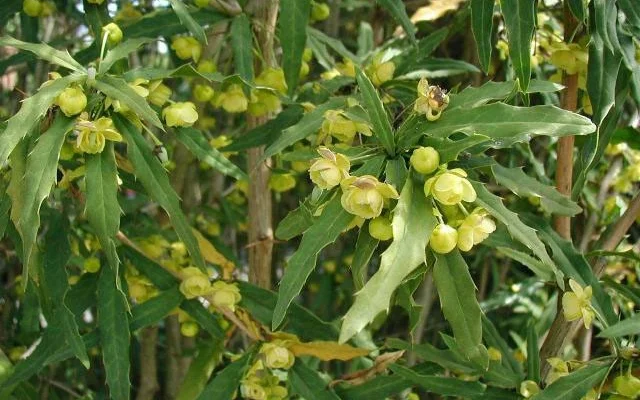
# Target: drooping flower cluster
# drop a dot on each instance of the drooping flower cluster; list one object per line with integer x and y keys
{"x": 260, "y": 382}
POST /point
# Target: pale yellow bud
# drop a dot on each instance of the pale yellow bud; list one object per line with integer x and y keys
{"x": 187, "y": 47}
{"x": 194, "y": 283}
{"x": 113, "y": 32}
{"x": 425, "y": 160}
{"x": 380, "y": 228}
{"x": 225, "y": 295}
{"x": 72, "y": 101}
{"x": 443, "y": 239}
{"x": 277, "y": 355}
{"x": 364, "y": 196}
{"x": 450, "y": 187}
{"x": 180, "y": 114}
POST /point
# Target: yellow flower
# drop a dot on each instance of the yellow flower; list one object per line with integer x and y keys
{"x": 194, "y": 283}
{"x": 380, "y": 228}
{"x": 113, "y": 32}
{"x": 282, "y": 182}
{"x": 159, "y": 93}
{"x": 189, "y": 328}
{"x": 342, "y": 128}
{"x": 364, "y": 196}
{"x": 277, "y": 355}
{"x": 450, "y": 187}
{"x": 92, "y": 265}
{"x": 72, "y": 101}
{"x": 475, "y": 228}
{"x": 431, "y": 101}
{"x": 207, "y": 67}
{"x": 576, "y": 304}
{"x": 272, "y": 78}
{"x": 221, "y": 141}
{"x": 328, "y": 171}
{"x": 137, "y": 86}
{"x": 559, "y": 368}
{"x": 346, "y": 68}
{"x": 233, "y": 100}
{"x": 529, "y": 389}
{"x": 443, "y": 239}
{"x": 627, "y": 385}
{"x": 180, "y": 114}
{"x": 320, "y": 11}
{"x": 187, "y": 47}
{"x": 32, "y": 8}
{"x": 252, "y": 389}
{"x": 379, "y": 71}
{"x": 92, "y": 135}
{"x": 571, "y": 58}
{"x": 425, "y": 160}
{"x": 48, "y": 8}
{"x": 203, "y": 93}
{"x": 494, "y": 354}
{"x": 263, "y": 102}
{"x": 225, "y": 295}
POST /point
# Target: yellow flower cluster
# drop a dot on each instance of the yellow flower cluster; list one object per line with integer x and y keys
{"x": 37, "y": 8}
{"x": 338, "y": 125}
{"x": 431, "y": 101}
{"x": 187, "y": 47}
{"x": 260, "y": 383}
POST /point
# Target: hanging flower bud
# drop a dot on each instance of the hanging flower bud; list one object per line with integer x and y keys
{"x": 443, "y": 239}
{"x": 277, "y": 355}
{"x": 319, "y": 11}
{"x": 225, "y": 295}
{"x": 450, "y": 187}
{"x": 272, "y": 78}
{"x": 475, "y": 228}
{"x": 72, "y": 101}
{"x": 95, "y": 1}
{"x": 207, "y": 67}
{"x": 627, "y": 385}
{"x": 364, "y": 196}
{"x": 32, "y": 7}
{"x": 252, "y": 389}
{"x": 529, "y": 389}
{"x": 189, "y": 329}
{"x": 91, "y": 265}
{"x": 233, "y": 100}
{"x": 282, "y": 182}
{"x": 180, "y": 114}
{"x": 203, "y": 93}
{"x": 425, "y": 160}
{"x": 194, "y": 283}
{"x": 201, "y": 3}
{"x": 576, "y": 303}
{"x": 159, "y": 93}
{"x": 187, "y": 47}
{"x": 48, "y": 8}
{"x": 342, "y": 128}
{"x": 328, "y": 171}
{"x": 380, "y": 228}
{"x": 113, "y": 32}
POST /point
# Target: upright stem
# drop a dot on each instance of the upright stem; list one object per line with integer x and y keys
{"x": 148, "y": 385}
{"x": 260, "y": 199}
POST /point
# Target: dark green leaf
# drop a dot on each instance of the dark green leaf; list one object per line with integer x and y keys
{"x": 397, "y": 9}
{"x": 335, "y": 44}
{"x": 482, "y": 26}
{"x": 242, "y": 43}
{"x": 533, "y": 354}
{"x": 493, "y": 338}
{"x": 490, "y": 91}
{"x": 377, "y": 114}
{"x": 166, "y": 23}
{"x": 440, "y": 385}
{"x": 200, "y": 370}
{"x": 292, "y": 26}
{"x": 44, "y": 52}
{"x": 156, "y": 182}
{"x": 187, "y": 20}
{"x": 119, "y": 52}
{"x": 576, "y": 384}
{"x": 224, "y": 385}
{"x": 308, "y": 384}
{"x": 629, "y": 326}
{"x": 196, "y": 142}
{"x": 520, "y": 21}
{"x": 365, "y": 247}
{"x": 155, "y": 309}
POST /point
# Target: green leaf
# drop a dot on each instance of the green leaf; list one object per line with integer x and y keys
{"x": 308, "y": 125}
{"x": 325, "y": 230}
{"x": 306, "y": 383}
{"x": 114, "y": 334}
{"x": 118, "y": 89}
{"x": 335, "y": 44}
{"x": 242, "y": 43}
{"x": 155, "y": 309}
{"x": 45, "y": 52}
{"x": 631, "y": 10}
{"x": 440, "y": 385}
{"x": 167, "y": 24}
{"x": 205, "y": 318}
{"x": 459, "y": 304}
{"x": 482, "y": 26}
{"x": 156, "y": 182}
{"x": 493, "y": 338}
{"x": 377, "y": 114}
{"x": 200, "y": 370}
{"x": 575, "y": 385}
{"x": 365, "y": 247}
{"x": 292, "y": 31}
{"x": 296, "y": 222}
{"x": 39, "y": 177}
{"x": 542, "y": 270}
{"x": 365, "y": 39}
{"x": 55, "y": 284}
{"x": 8, "y": 9}
{"x": 119, "y": 52}
{"x": 397, "y": 9}
{"x": 504, "y": 124}
{"x": 187, "y": 20}
{"x": 523, "y": 185}
{"x": 196, "y": 142}
{"x": 533, "y": 354}
{"x": 578, "y": 9}
{"x": 632, "y": 294}
{"x": 412, "y": 223}
{"x": 224, "y": 385}
{"x": 102, "y": 208}
{"x": 32, "y": 110}
{"x": 629, "y": 326}
{"x": 520, "y": 21}
{"x": 518, "y": 230}
{"x": 414, "y": 57}
{"x": 450, "y": 149}
{"x": 476, "y": 96}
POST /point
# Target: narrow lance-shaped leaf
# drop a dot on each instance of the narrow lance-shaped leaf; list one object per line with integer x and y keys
{"x": 521, "y": 184}
{"x": 39, "y": 178}
{"x": 533, "y": 354}
{"x": 292, "y": 31}
{"x": 397, "y": 9}
{"x": 365, "y": 247}
{"x": 195, "y": 141}
{"x": 114, "y": 334}
{"x": 187, "y": 20}
{"x": 460, "y": 307}
{"x": 412, "y": 223}
{"x": 520, "y": 21}
{"x": 119, "y": 52}
{"x": 28, "y": 117}
{"x": 45, "y": 52}
{"x": 325, "y": 230}
{"x": 377, "y": 114}
{"x": 307, "y": 383}
{"x": 156, "y": 182}
{"x": 209, "y": 354}
{"x": 629, "y": 326}
{"x": 242, "y": 43}
{"x": 482, "y": 26}
{"x": 224, "y": 385}
{"x": 576, "y": 384}
{"x": 441, "y": 385}
{"x": 118, "y": 89}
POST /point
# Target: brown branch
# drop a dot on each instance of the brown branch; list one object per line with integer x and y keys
{"x": 148, "y": 385}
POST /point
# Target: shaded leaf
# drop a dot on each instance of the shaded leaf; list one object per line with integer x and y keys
{"x": 397, "y": 9}
{"x": 196, "y": 142}
{"x": 520, "y": 21}
{"x": 482, "y": 26}
{"x": 187, "y": 20}
{"x": 576, "y": 384}
{"x": 119, "y": 52}
{"x": 440, "y": 385}
{"x": 224, "y": 385}
{"x": 45, "y": 52}
{"x": 307, "y": 383}
{"x": 292, "y": 31}
{"x": 377, "y": 114}
{"x": 242, "y": 43}
{"x": 629, "y": 326}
